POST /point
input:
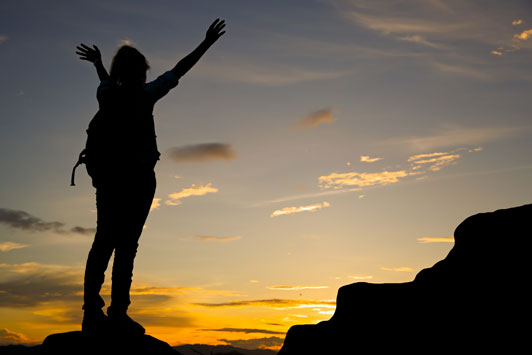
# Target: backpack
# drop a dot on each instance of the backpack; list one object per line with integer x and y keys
{"x": 94, "y": 154}
{"x": 118, "y": 139}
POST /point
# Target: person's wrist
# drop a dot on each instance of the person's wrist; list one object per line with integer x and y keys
{"x": 98, "y": 61}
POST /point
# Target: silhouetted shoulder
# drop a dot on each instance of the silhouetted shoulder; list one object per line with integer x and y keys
{"x": 162, "y": 85}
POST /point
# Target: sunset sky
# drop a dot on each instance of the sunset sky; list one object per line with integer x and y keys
{"x": 318, "y": 143}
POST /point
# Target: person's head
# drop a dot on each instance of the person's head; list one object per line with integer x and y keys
{"x": 129, "y": 67}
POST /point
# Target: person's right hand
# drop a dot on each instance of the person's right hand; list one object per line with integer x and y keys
{"x": 92, "y": 55}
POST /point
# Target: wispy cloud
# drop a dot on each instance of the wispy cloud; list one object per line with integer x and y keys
{"x": 390, "y": 24}
{"x": 275, "y": 303}
{"x": 211, "y": 238}
{"x": 7, "y": 246}
{"x": 453, "y": 136}
{"x": 31, "y": 284}
{"x": 517, "y": 22}
{"x": 398, "y": 269}
{"x": 421, "y": 40}
{"x": 244, "y": 330}
{"x": 339, "y": 180}
{"x": 155, "y": 204}
{"x": 8, "y": 337}
{"x": 315, "y": 118}
{"x": 368, "y": 159}
{"x": 292, "y": 288}
{"x": 24, "y": 221}
{"x": 292, "y": 210}
{"x": 425, "y": 240}
{"x": 250, "y": 71}
{"x": 202, "y": 152}
{"x": 354, "y": 277}
{"x": 434, "y": 161}
{"x": 304, "y": 196}
{"x": 494, "y": 52}
{"x": 461, "y": 69}
{"x": 191, "y": 191}
{"x": 256, "y": 343}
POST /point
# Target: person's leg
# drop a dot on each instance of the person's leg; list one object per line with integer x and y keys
{"x": 97, "y": 262}
{"x": 133, "y": 216}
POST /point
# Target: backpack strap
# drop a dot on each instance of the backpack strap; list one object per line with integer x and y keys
{"x": 82, "y": 159}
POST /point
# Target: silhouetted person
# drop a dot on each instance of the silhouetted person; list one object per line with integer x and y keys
{"x": 122, "y": 153}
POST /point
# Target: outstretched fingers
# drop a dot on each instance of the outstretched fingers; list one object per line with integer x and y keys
{"x": 87, "y": 53}
{"x": 211, "y": 27}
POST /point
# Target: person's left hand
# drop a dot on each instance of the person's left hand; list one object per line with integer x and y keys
{"x": 215, "y": 30}
{"x": 92, "y": 55}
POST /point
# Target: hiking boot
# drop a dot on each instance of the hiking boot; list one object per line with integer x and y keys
{"x": 94, "y": 322}
{"x": 121, "y": 322}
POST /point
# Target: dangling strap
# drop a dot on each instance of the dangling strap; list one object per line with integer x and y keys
{"x": 81, "y": 160}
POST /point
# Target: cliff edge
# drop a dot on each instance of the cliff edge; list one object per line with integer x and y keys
{"x": 475, "y": 300}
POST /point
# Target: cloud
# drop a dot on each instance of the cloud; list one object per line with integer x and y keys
{"x": 425, "y": 240}
{"x": 461, "y": 69}
{"x": 8, "y": 337}
{"x": 81, "y": 230}
{"x": 398, "y": 269}
{"x": 302, "y": 196}
{"x": 291, "y": 288}
{"x": 155, "y": 204}
{"x": 244, "y": 330}
{"x": 496, "y": 53}
{"x": 458, "y": 136}
{"x": 268, "y": 72}
{"x": 210, "y": 238}
{"x": 22, "y": 220}
{"x": 202, "y": 152}
{"x": 31, "y": 284}
{"x": 3, "y": 38}
{"x": 7, "y": 246}
{"x": 160, "y": 318}
{"x": 292, "y": 210}
{"x": 404, "y": 24}
{"x": 360, "y": 277}
{"x": 191, "y": 191}
{"x": 523, "y": 36}
{"x": 339, "y": 180}
{"x": 314, "y": 119}
{"x": 255, "y": 343}
{"x": 421, "y": 40}
{"x": 435, "y": 161}
{"x": 517, "y": 22}
{"x": 275, "y": 303}
{"x": 367, "y": 159}
{"x": 425, "y": 155}
{"x": 172, "y": 203}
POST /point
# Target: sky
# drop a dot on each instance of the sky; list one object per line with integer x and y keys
{"x": 316, "y": 144}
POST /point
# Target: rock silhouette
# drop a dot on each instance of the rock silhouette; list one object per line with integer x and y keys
{"x": 81, "y": 343}
{"x": 476, "y": 300}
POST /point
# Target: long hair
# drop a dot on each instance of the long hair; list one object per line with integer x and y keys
{"x": 128, "y": 66}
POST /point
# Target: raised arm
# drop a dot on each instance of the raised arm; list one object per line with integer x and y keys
{"x": 94, "y": 56}
{"x": 213, "y": 33}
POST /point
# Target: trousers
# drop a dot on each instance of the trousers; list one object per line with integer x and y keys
{"x": 122, "y": 209}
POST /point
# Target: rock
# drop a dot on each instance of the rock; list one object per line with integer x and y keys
{"x": 80, "y": 343}
{"x": 475, "y": 300}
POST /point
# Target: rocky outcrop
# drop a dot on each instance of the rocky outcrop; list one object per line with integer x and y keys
{"x": 475, "y": 300}
{"x": 80, "y": 343}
